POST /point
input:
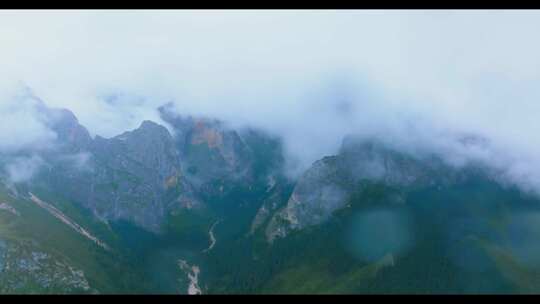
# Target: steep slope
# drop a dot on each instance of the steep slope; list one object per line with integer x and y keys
{"x": 146, "y": 175}
{"x": 396, "y": 224}
{"x": 213, "y": 156}
{"x": 206, "y": 208}
{"x": 41, "y": 252}
{"x": 328, "y": 185}
{"x": 135, "y": 176}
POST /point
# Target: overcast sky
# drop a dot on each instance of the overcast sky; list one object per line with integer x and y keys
{"x": 309, "y": 76}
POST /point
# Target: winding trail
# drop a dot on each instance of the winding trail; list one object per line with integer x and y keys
{"x": 212, "y": 237}
{"x": 59, "y": 215}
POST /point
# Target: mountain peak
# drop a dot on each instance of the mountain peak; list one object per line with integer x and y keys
{"x": 149, "y": 124}
{"x": 147, "y": 129}
{"x": 67, "y": 127}
{"x": 153, "y": 128}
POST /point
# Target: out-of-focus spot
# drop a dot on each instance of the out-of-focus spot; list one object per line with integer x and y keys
{"x": 375, "y": 233}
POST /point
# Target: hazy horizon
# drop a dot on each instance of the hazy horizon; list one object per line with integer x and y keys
{"x": 416, "y": 79}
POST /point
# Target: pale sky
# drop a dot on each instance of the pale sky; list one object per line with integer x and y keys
{"x": 308, "y": 76}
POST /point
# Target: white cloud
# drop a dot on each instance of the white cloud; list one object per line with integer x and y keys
{"x": 22, "y": 169}
{"x": 22, "y": 126}
{"x": 310, "y": 76}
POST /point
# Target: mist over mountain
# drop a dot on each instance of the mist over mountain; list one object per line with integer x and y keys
{"x": 408, "y": 76}
{"x": 227, "y": 151}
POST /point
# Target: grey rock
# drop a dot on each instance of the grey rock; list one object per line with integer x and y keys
{"x": 329, "y": 183}
{"x": 210, "y": 151}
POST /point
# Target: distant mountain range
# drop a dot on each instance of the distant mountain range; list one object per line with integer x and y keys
{"x": 209, "y": 209}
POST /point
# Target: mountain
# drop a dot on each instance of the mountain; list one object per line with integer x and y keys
{"x": 375, "y": 220}
{"x": 197, "y": 206}
{"x": 143, "y": 175}
{"x": 329, "y": 183}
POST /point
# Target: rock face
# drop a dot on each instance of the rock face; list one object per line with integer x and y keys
{"x": 72, "y": 135}
{"x": 318, "y": 192}
{"x": 327, "y": 186}
{"x": 136, "y": 172}
{"x": 144, "y": 175}
{"x": 211, "y": 154}
{"x": 270, "y": 205}
{"x": 135, "y": 176}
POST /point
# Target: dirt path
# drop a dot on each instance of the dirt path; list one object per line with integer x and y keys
{"x": 59, "y": 215}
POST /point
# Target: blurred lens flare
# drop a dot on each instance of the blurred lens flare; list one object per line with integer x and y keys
{"x": 376, "y": 233}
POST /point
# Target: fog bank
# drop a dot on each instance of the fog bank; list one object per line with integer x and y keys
{"x": 417, "y": 79}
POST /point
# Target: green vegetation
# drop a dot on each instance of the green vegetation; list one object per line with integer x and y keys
{"x": 105, "y": 271}
{"x": 462, "y": 241}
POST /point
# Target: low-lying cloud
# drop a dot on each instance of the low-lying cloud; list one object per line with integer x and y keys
{"x": 22, "y": 126}
{"x": 22, "y": 169}
{"x": 413, "y": 78}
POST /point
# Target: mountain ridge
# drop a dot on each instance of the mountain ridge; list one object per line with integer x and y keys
{"x": 154, "y": 197}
